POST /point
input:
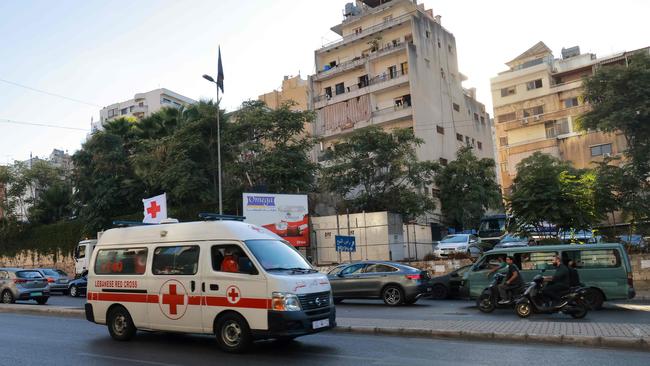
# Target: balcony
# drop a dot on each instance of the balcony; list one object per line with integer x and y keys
{"x": 377, "y": 83}
{"x": 394, "y": 113}
{"x": 366, "y": 32}
{"x": 358, "y": 62}
{"x": 139, "y": 109}
{"x": 558, "y": 88}
{"x": 541, "y": 118}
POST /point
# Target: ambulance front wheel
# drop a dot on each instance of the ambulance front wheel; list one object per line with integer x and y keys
{"x": 233, "y": 333}
{"x": 120, "y": 324}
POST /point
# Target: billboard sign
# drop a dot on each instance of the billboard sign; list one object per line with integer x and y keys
{"x": 284, "y": 214}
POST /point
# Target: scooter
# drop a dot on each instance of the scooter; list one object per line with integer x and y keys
{"x": 532, "y": 301}
{"x": 490, "y": 297}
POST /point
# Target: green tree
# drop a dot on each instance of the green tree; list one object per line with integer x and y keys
{"x": 548, "y": 191}
{"x": 374, "y": 170}
{"x": 467, "y": 188}
{"x": 620, "y": 101}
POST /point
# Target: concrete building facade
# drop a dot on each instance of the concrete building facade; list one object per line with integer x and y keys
{"x": 537, "y": 103}
{"x": 142, "y": 105}
{"x": 293, "y": 89}
{"x": 396, "y": 66}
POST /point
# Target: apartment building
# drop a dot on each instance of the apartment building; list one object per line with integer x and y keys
{"x": 142, "y": 105}
{"x": 536, "y": 104}
{"x": 294, "y": 88}
{"x": 396, "y": 66}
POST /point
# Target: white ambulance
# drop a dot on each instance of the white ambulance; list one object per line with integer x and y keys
{"x": 228, "y": 278}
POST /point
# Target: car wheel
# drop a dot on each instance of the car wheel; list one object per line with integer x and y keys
{"x": 120, "y": 324}
{"x": 41, "y": 300}
{"x": 8, "y": 297}
{"x": 233, "y": 333}
{"x": 74, "y": 291}
{"x": 393, "y": 295}
{"x": 594, "y": 298}
{"x": 439, "y": 291}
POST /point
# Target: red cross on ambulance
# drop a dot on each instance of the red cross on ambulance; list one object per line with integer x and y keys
{"x": 173, "y": 302}
{"x": 233, "y": 295}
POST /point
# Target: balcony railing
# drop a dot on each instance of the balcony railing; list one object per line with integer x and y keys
{"x": 367, "y": 31}
{"x": 386, "y": 76}
{"x": 359, "y": 60}
{"x": 392, "y": 109}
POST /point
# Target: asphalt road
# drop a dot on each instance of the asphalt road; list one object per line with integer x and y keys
{"x": 619, "y": 312}
{"x": 39, "y": 340}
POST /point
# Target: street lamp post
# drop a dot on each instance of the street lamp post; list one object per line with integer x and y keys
{"x": 210, "y": 79}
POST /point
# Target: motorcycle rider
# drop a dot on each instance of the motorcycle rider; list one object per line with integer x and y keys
{"x": 513, "y": 281}
{"x": 574, "y": 277}
{"x": 501, "y": 263}
{"x": 559, "y": 283}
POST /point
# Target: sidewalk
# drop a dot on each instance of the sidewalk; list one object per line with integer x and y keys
{"x": 574, "y": 332}
{"x": 571, "y": 332}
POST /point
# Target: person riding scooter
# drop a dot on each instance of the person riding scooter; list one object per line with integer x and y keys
{"x": 513, "y": 281}
{"x": 559, "y": 283}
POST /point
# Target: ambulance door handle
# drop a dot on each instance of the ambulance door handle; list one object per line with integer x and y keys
{"x": 202, "y": 286}
{"x": 214, "y": 287}
{"x": 192, "y": 285}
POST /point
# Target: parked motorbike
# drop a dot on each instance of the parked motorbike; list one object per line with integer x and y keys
{"x": 490, "y": 297}
{"x": 531, "y": 301}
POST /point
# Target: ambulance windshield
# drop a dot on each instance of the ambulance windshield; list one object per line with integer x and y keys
{"x": 275, "y": 255}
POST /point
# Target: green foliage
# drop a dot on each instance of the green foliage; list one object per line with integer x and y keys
{"x": 45, "y": 239}
{"x": 374, "y": 170}
{"x": 620, "y": 101}
{"x": 550, "y": 191}
{"x": 468, "y": 188}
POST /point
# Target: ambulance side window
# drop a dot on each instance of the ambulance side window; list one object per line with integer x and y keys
{"x": 231, "y": 258}
{"x": 178, "y": 260}
{"x": 128, "y": 261}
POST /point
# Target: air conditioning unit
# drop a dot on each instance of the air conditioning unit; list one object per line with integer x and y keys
{"x": 537, "y": 117}
{"x": 607, "y": 155}
{"x": 524, "y": 121}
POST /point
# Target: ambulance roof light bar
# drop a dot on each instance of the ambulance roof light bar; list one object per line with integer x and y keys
{"x": 208, "y": 216}
{"x": 125, "y": 223}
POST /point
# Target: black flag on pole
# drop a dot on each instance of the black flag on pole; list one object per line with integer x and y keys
{"x": 220, "y": 73}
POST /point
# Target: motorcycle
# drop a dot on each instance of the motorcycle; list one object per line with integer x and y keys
{"x": 490, "y": 297}
{"x": 531, "y": 301}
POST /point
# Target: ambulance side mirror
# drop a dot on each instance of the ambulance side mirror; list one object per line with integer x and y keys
{"x": 310, "y": 259}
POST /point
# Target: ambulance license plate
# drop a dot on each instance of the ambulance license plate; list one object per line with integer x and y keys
{"x": 37, "y": 294}
{"x": 320, "y": 323}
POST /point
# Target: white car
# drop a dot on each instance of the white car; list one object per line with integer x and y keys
{"x": 456, "y": 243}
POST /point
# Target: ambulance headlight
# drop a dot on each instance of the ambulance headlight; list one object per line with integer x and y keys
{"x": 283, "y": 301}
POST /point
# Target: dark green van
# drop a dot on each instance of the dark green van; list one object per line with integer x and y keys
{"x": 605, "y": 268}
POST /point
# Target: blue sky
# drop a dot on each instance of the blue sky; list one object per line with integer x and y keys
{"x": 102, "y": 52}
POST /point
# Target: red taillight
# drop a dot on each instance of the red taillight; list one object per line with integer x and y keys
{"x": 414, "y": 276}
{"x": 18, "y": 280}
{"x": 50, "y": 280}
{"x": 630, "y": 280}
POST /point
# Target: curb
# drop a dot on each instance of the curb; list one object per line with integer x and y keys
{"x": 635, "y": 343}
{"x": 43, "y": 310}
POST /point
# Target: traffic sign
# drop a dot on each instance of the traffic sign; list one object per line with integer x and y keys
{"x": 345, "y": 243}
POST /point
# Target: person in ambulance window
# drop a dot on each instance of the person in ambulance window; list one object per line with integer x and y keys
{"x": 230, "y": 262}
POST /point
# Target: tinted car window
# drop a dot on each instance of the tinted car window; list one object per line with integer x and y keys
{"x": 60, "y": 272}
{"x": 49, "y": 272}
{"x": 355, "y": 268}
{"x": 454, "y": 239}
{"x": 127, "y": 261}
{"x": 179, "y": 260}
{"x": 28, "y": 274}
{"x": 336, "y": 270}
{"x": 380, "y": 268}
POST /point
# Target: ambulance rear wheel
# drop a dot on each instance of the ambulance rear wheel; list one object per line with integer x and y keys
{"x": 233, "y": 333}
{"x": 120, "y": 324}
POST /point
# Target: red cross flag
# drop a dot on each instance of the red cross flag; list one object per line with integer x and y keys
{"x": 155, "y": 209}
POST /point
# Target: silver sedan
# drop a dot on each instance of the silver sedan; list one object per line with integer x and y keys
{"x": 394, "y": 283}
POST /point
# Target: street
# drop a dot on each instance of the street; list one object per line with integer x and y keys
{"x": 616, "y": 312}
{"x": 30, "y": 340}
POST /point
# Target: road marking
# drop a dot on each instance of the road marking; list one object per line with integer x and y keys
{"x": 635, "y": 307}
{"x": 126, "y": 359}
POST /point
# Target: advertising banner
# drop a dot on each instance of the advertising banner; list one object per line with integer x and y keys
{"x": 284, "y": 214}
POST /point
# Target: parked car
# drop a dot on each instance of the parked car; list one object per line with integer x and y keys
{"x": 635, "y": 241}
{"x": 456, "y": 243}
{"x": 57, "y": 279}
{"x": 23, "y": 284}
{"x": 448, "y": 286}
{"x": 394, "y": 283}
{"x": 512, "y": 241}
{"x": 77, "y": 287}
